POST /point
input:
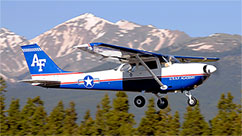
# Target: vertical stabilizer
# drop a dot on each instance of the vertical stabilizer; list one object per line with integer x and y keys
{"x": 38, "y": 61}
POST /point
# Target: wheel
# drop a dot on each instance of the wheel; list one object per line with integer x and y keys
{"x": 139, "y": 101}
{"x": 192, "y": 102}
{"x": 162, "y": 103}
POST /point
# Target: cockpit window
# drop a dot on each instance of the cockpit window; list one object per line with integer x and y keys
{"x": 126, "y": 67}
{"x": 169, "y": 59}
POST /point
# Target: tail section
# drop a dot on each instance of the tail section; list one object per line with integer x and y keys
{"x": 38, "y": 61}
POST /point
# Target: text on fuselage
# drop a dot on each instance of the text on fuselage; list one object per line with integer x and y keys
{"x": 182, "y": 78}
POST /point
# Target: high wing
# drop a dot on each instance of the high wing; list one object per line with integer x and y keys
{"x": 43, "y": 83}
{"x": 129, "y": 55}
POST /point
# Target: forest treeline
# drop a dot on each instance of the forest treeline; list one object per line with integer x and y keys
{"x": 114, "y": 119}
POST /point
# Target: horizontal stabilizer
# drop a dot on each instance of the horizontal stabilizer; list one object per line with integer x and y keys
{"x": 43, "y": 83}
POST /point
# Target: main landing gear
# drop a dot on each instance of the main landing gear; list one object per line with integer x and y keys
{"x": 139, "y": 101}
{"x": 162, "y": 102}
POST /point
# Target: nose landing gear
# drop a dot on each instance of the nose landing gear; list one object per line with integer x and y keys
{"x": 162, "y": 102}
{"x": 192, "y": 101}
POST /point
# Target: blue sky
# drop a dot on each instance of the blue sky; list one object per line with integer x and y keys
{"x": 196, "y": 18}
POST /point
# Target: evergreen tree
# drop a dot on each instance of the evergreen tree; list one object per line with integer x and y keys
{"x": 70, "y": 126}
{"x": 120, "y": 122}
{"x": 2, "y": 85}
{"x": 14, "y": 118}
{"x": 87, "y": 127}
{"x": 55, "y": 120}
{"x": 3, "y": 118}
{"x": 148, "y": 124}
{"x": 102, "y": 116}
{"x": 228, "y": 119}
{"x": 174, "y": 125}
{"x": 165, "y": 118}
{"x": 27, "y": 115}
{"x": 38, "y": 121}
{"x": 194, "y": 123}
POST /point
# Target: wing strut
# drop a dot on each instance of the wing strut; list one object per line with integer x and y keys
{"x": 162, "y": 86}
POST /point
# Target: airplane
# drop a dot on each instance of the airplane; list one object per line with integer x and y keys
{"x": 139, "y": 71}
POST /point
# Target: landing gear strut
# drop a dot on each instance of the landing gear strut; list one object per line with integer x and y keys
{"x": 162, "y": 102}
{"x": 139, "y": 101}
{"x": 192, "y": 101}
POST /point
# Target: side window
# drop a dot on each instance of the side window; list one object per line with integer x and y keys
{"x": 151, "y": 64}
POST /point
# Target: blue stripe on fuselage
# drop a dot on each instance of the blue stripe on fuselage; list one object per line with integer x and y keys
{"x": 148, "y": 84}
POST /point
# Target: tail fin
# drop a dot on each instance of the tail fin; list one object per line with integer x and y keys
{"x": 38, "y": 61}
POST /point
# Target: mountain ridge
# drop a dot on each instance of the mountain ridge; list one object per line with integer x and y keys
{"x": 86, "y": 28}
{"x": 59, "y": 40}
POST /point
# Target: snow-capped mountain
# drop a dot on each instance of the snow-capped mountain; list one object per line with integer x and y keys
{"x": 89, "y": 28}
{"x": 58, "y": 43}
{"x": 12, "y": 63}
{"x": 86, "y": 28}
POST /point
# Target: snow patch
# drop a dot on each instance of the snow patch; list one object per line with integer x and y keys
{"x": 98, "y": 28}
{"x": 78, "y": 56}
{"x": 195, "y": 45}
{"x": 211, "y": 35}
{"x": 205, "y": 47}
{"x": 123, "y": 24}
{"x": 124, "y": 31}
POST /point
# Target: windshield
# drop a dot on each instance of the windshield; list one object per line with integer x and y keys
{"x": 169, "y": 59}
{"x": 172, "y": 59}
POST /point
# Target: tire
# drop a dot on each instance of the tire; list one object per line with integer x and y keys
{"x": 139, "y": 101}
{"x": 192, "y": 102}
{"x": 162, "y": 103}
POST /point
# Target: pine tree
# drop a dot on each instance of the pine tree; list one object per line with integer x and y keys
{"x": 120, "y": 122}
{"x": 3, "y": 118}
{"x": 2, "y": 85}
{"x": 14, "y": 118}
{"x": 102, "y": 116}
{"x": 148, "y": 124}
{"x": 27, "y": 113}
{"x": 87, "y": 127}
{"x": 55, "y": 120}
{"x": 228, "y": 119}
{"x": 174, "y": 125}
{"x": 165, "y": 118}
{"x": 194, "y": 123}
{"x": 70, "y": 126}
{"x": 38, "y": 121}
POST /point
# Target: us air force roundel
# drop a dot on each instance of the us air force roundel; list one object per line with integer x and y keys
{"x": 88, "y": 81}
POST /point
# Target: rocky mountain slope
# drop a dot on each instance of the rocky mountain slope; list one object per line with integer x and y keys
{"x": 58, "y": 43}
{"x": 12, "y": 62}
{"x": 86, "y": 28}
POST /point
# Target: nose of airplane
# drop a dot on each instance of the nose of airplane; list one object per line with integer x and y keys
{"x": 209, "y": 69}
